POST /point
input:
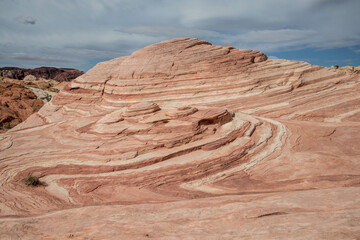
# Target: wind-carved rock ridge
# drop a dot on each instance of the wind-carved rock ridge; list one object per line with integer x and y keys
{"x": 180, "y": 133}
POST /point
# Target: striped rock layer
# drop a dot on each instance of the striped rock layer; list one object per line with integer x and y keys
{"x": 186, "y": 140}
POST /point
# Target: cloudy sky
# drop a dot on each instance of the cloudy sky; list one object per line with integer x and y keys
{"x": 80, "y": 33}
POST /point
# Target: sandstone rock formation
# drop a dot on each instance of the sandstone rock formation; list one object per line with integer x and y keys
{"x": 58, "y": 74}
{"x": 186, "y": 140}
{"x": 16, "y": 104}
{"x": 24, "y": 104}
{"x": 351, "y": 69}
{"x": 29, "y": 78}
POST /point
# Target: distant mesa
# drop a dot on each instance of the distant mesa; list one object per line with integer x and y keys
{"x": 58, "y": 74}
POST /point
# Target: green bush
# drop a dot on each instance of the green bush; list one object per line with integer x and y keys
{"x": 5, "y": 126}
{"x": 34, "y": 181}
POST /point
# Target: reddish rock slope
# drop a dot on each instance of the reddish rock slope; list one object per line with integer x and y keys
{"x": 185, "y": 140}
{"x": 21, "y": 98}
{"x": 16, "y": 104}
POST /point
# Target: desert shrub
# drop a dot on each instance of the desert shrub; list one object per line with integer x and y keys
{"x": 5, "y": 126}
{"x": 34, "y": 181}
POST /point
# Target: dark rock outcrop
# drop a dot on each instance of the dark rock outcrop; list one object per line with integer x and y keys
{"x": 58, "y": 74}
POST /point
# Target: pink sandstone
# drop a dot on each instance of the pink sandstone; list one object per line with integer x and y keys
{"x": 186, "y": 140}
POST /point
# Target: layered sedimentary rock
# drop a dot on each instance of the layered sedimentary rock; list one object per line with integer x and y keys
{"x": 58, "y": 74}
{"x": 186, "y": 140}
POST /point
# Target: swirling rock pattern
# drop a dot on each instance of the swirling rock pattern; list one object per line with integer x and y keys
{"x": 186, "y": 140}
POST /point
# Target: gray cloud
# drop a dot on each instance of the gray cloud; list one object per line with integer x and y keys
{"x": 34, "y": 58}
{"x": 26, "y": 20}
{"x": 168, "y": 31}
{"x": 85, "y": 31}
